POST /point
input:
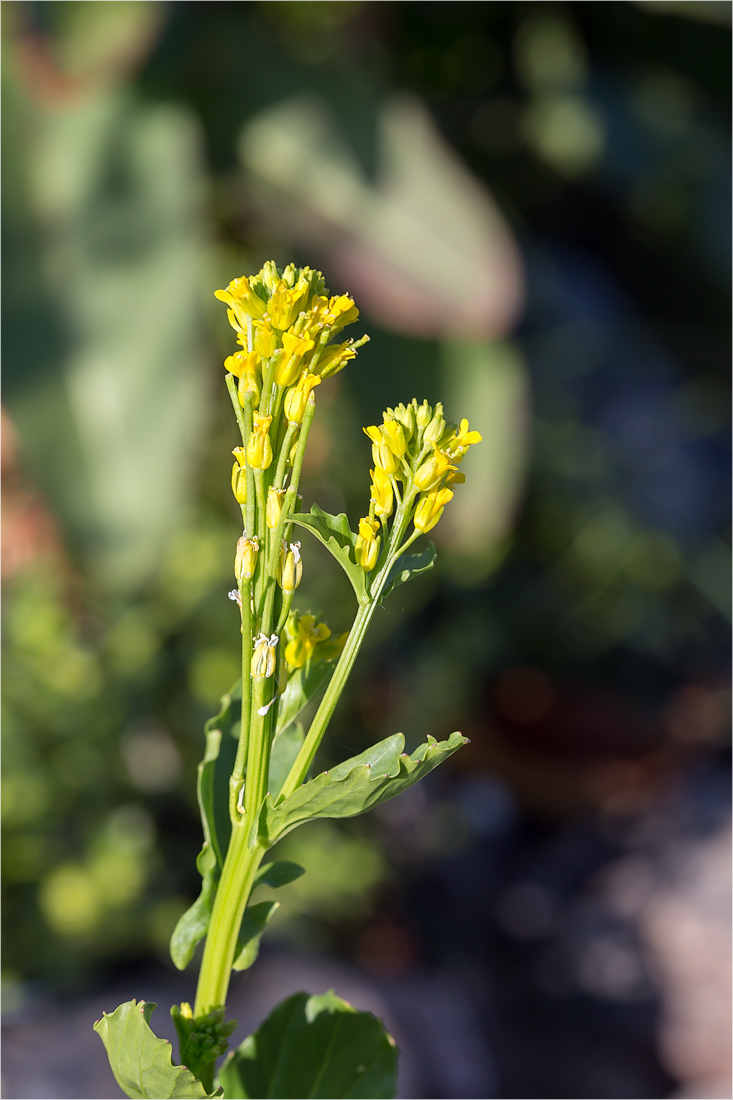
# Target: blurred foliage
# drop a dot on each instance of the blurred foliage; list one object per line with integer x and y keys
{"x": 530, "y": 203}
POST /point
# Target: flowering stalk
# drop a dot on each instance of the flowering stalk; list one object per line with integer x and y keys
{"x": 286, "y": 325}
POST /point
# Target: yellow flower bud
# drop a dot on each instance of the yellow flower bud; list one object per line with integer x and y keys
{"x": 431, "y": 472}
{"x": 274, "y": 507}
{"x": 239, "y": 483}
{"x": 430, "y": 509}
{"x": 245, "y": 559}
{"x": 291, "y": 567}
{"x": 296, "y": 399}
{"x": 259, "y": 448}
{"x": 382, "y": 493}
{"x": 265, "y": 340}
{"x": 240, "y": 455}
{"x": 288, "y": 364}
{"x": 436, "y": 427}
{"x": 264, "y": 657}
{"x": 248, "y": 383}
{"x": 424, "y": 414}
{"x": 394, "y": 435}
{"x": 367, "y": 543}
{"x": 382, "y": 456}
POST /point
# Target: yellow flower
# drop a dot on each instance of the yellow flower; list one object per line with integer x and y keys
{"x": 384, "y": 458}
{"x": 382, "y": 493}
{"x": 430, "y": 509}
{"x": 282, "y": 309}
{"x": 460, "y": 440}
{"x": 296, "y": 398}
{"x": 367, "y": 543}
{"x": 288, "y": 364}
{"x": 245, "y": 304}
{"x": 433, "y": 470}
{"x": 304, "y": 635}
{"x": 259, "y": 448}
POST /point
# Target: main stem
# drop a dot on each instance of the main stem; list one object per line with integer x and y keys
{"x": 237, "y": 876}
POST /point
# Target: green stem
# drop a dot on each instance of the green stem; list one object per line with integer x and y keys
{"x": 240, "y": 867}
{"x": 237, "y": 776}
{"x": 341, "y": 673}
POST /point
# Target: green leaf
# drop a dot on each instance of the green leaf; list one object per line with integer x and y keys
{"x": 194, "y": 923}
{"x": 278, "y": 874}
{"x": 407, "y": 566}
{"x": 314, "y": 1047}
{"x": 222, "y": 733}
{"x": 140, "y": 1061}
{"x": 357, "y": 785}
{"x": 285, "y": 748}
{"x": 253, "y": 925}
{"x": 304, "y": 684}
{"x": 336, "y": 535}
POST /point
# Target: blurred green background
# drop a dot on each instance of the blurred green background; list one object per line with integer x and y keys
{"x": 530, "y": 205}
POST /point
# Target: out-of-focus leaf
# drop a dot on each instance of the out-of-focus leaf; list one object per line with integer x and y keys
{"x": 424, "y": 248}
{"x": 140, "y": 1061}
{"x": 304, "y": 684}
{"x": 317, "y": 1047}
{"x": 107, "y": 250}
{"x": 338, "y": 538}
{"x": 351, "y": 788}
{"x": 489, "y": 383}
{"x": 253, "y": 925}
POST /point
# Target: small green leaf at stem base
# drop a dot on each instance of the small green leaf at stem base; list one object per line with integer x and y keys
{"x": 140, "y": 1061}
{"x": 314, "y": 1046}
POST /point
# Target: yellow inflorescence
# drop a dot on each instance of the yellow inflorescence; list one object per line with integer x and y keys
{"x": 285, "y": 322}
{"x": 414, "y": 448}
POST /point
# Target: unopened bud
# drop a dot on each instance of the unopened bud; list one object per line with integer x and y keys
{"x": 291, "y": 567}
{"x": 239, "y": 483}
{"x": 424, "y": 415}
{"x": 245, "y": 559}
{"x": 436, "y": 427}
{"x": 430, "y": 509}
{"x": 274, "y": 507}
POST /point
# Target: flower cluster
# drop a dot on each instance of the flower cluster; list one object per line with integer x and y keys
{"x": 285, "y": 323}
{"x": 416, "y": 455}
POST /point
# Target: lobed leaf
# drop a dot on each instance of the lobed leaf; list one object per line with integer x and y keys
{"x": 338, "y": 538}
{"x": 140, "y": 1061}
{"x": 356, "y": 785}
{"x": 316, "y": 1047}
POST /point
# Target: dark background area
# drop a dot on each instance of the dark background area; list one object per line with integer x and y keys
{"x": 530, "y": 204}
